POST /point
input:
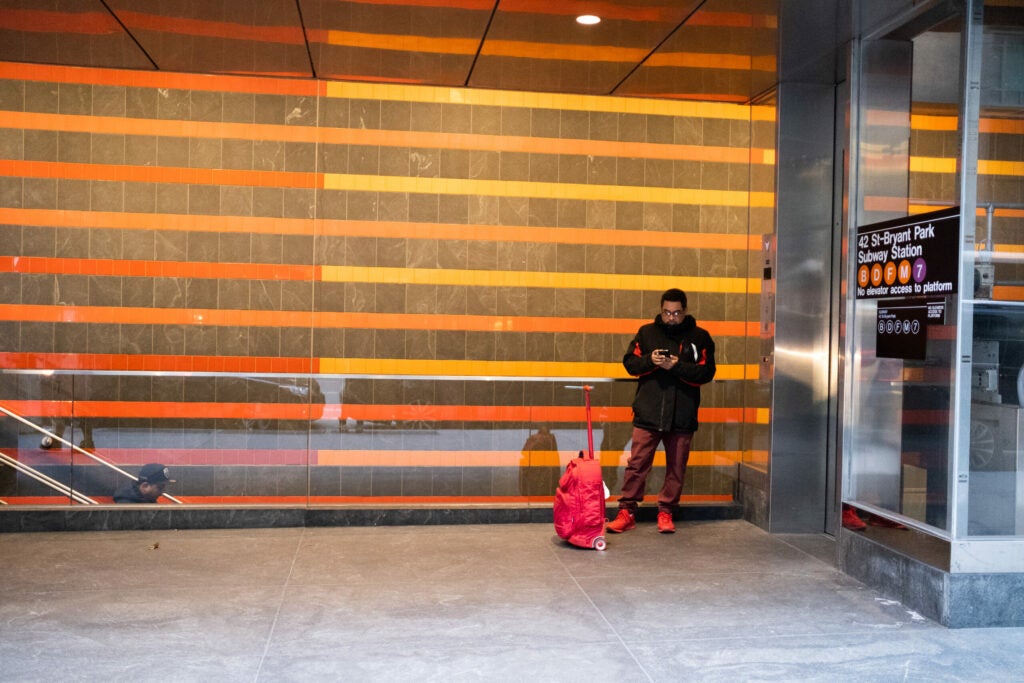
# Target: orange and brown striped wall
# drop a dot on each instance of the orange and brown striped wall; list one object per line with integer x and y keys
{"x": 431, "y": 265}
{"x": 934, "y": 147}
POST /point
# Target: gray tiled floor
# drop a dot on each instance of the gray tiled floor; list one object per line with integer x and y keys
{"x": 718, "y": 601}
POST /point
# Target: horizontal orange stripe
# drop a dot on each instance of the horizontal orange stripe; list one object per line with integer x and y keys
{"x": 1006, "y": 126}
{"x": 120, "y": 125}
{"x": 159, "y": 174}
{"x": 165, "y": 409}
{"x": 361, "y": 366}
{"x": 157, "y": 363}
{"x": 372, "y": 321}
{"x": 113, "y": 125}
{"x": 132, "y": 78}
{"x": 1008, "y": 293}
{"x": 933, "y": 122}
{"x": 981, "y": 210}
{"x": 39, "y": 500}
{"x": 1001, "y": 212}
{"x": 441, "y": 413}
{"x": 364, "y": 412}
{"x": 128, "y": 268}
{"x": 520, "y": 458}
{"x": 949, "y": 124}
{"x": 350, "y": 500}
{"x": 397, "y": 229}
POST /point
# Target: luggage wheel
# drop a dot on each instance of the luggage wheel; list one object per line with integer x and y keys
{"x": 599, "y": 543}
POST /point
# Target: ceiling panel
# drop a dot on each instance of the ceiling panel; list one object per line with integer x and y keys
{"x": 76, "y": 32}
{"x": 721, "y": 50}
{"x": 538, "y": 45}
{"x": 262, "y": 37}
{"x": 394, "y": 40}
{"x": 724, "y": 52}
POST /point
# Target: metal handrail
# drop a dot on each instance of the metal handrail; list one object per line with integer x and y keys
{"x": 42, "y": 477}
{"x": 49, "y": 481}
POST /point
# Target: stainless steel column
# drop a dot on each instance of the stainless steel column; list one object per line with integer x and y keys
{"x": 802, "y": 392}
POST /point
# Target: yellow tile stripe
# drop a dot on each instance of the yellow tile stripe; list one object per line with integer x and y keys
{"x": 515, "y": 188}
{"x": 932, "y": 165}
{"x": 950, "y": 123}
{"x": 406, "y": 458}
{"x": 1007, "y": 168}
{"x": 503, "y": 368}
{"x": 762, "y": 113}
{"x": 519, "y": 278}
{"x": 509, "y": 98}
{"x": 985, "y": 167}
{"x": 932, "y": 122}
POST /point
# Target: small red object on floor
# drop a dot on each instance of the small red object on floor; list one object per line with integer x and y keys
{"x": 851, "y": 520}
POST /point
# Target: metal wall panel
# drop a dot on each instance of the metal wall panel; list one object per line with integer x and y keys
{"x": 802, "y": 392}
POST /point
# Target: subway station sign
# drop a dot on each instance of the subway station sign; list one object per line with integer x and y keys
{"x": 916, "y": 256}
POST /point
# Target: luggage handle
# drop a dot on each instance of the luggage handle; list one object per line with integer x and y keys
{"x": 590, "y": 427}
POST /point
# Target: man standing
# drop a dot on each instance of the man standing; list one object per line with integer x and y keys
{"x": 671, "y": 358}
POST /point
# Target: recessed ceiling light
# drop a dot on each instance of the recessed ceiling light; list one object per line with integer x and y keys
{"x": 588, "y": 19}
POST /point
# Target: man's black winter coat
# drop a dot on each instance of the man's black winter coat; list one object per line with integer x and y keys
{"x": 667, "y": 400}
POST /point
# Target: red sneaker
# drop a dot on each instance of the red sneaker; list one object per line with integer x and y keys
{"x": 852, "y": 521}
{"x": 624, "y": 522}
{"x": 665, "y": 525}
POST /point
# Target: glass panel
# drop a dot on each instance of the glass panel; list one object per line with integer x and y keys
{"x": 328, "y": 440}
{"x": 996, "y": 489}
{"x": 901, "y": 407}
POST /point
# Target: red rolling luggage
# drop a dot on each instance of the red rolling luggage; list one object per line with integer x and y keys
{"x": 579, "y": 501}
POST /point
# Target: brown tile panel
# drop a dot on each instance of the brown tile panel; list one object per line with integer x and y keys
{"x": 397, "y": 246}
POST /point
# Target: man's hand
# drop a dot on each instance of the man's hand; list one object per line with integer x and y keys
{"x": 663, "y": 360}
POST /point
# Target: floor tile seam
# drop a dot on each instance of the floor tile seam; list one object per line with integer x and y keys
{"x": 604, "y": 618}
{"x": 280, "y": 604}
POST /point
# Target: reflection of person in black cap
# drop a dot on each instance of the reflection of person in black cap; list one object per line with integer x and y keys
{"x": 153, "y": 479}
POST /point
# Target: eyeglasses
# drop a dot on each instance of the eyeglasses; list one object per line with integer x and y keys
{"x": 672, "y": 314}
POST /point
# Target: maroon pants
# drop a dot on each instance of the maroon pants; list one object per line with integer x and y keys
{"x": 677, "y": 452}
